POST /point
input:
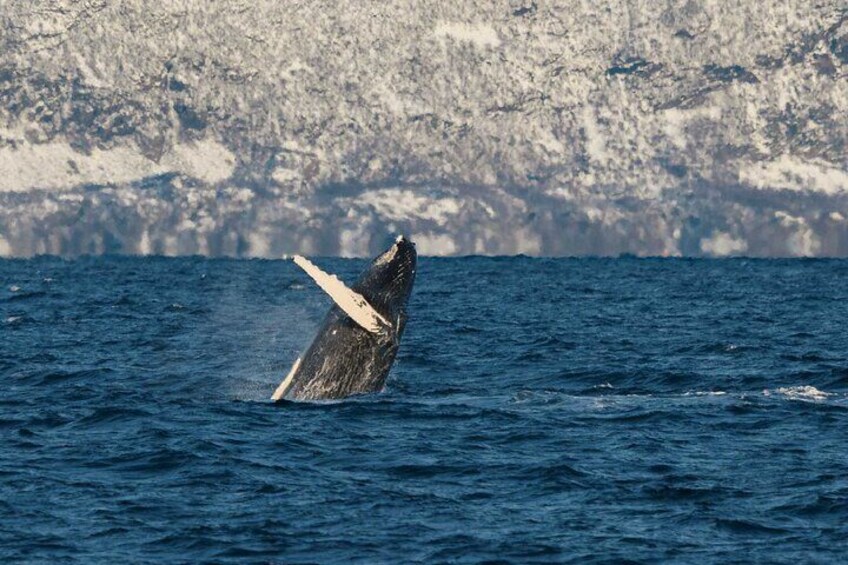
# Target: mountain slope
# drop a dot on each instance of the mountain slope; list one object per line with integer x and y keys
{"x": 266, "y": 128}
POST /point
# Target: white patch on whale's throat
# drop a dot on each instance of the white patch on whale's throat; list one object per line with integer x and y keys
{"x": 352, "y": 303}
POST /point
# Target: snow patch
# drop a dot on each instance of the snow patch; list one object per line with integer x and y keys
{"x": 803, "y": 242}
{"x": 5, "y": 248}
{"x": 399, "y": 204}
{"x": 353, "y": 242}
{"x": 480, "y": 35}
{"x": 676, "y": 120}
{"x": 284, "y": 176}
{"x": 606, "y": 216}
{"x": 296, "y": 67}
{"x": 434, "y": 244}
{"x": 391, "y": 100}
{"x": 206, "y": 160}
{"x": 56, "y": 166}
{"x": 260, "y": 246}
{"x": 548, "y": 140}
{"x": 144, "y": 247}
{"x": 792, "y": 173}
{"x": 722, "y": 244}
{"x": 595, "y": 146}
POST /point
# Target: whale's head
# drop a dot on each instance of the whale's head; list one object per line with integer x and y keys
{"x": 387, "y": 283}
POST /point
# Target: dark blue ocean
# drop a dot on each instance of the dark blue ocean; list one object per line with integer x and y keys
{"x": 540, "y": 411}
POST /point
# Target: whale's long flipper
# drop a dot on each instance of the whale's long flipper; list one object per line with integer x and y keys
{"x": 352, "y": 303}
{"x": 284, "y": 386}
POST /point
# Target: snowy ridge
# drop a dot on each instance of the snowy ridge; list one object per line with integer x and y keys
{"x": 538, "y": 128}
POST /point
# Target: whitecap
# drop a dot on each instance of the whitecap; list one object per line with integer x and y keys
{"x": 801, "y": 393}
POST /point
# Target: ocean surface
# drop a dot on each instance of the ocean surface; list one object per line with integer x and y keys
{"x": 540, "y": 411}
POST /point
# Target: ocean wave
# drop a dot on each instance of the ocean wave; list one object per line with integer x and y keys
{"x": 803, "y": 392}
{"x": 566, "y": 425}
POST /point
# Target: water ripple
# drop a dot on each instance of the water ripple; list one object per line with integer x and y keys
{"x": 554, "y": 411}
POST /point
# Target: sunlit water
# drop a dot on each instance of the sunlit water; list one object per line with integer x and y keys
{"x": 539, "y": 411}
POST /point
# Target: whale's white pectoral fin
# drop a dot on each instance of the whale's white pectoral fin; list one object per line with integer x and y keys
{"x": 284, "y": 386}
{"x": 352, "y": 303}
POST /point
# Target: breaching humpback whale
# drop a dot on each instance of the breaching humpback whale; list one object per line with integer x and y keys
{"x": 357, "y": 343}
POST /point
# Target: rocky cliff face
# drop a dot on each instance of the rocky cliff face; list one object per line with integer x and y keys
{"x": 559, "y": 128}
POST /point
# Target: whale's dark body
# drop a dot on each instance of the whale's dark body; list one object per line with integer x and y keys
{"x": 345, "y": 358}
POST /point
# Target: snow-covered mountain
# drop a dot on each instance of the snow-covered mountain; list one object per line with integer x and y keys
{"x": 260, "y": 128}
